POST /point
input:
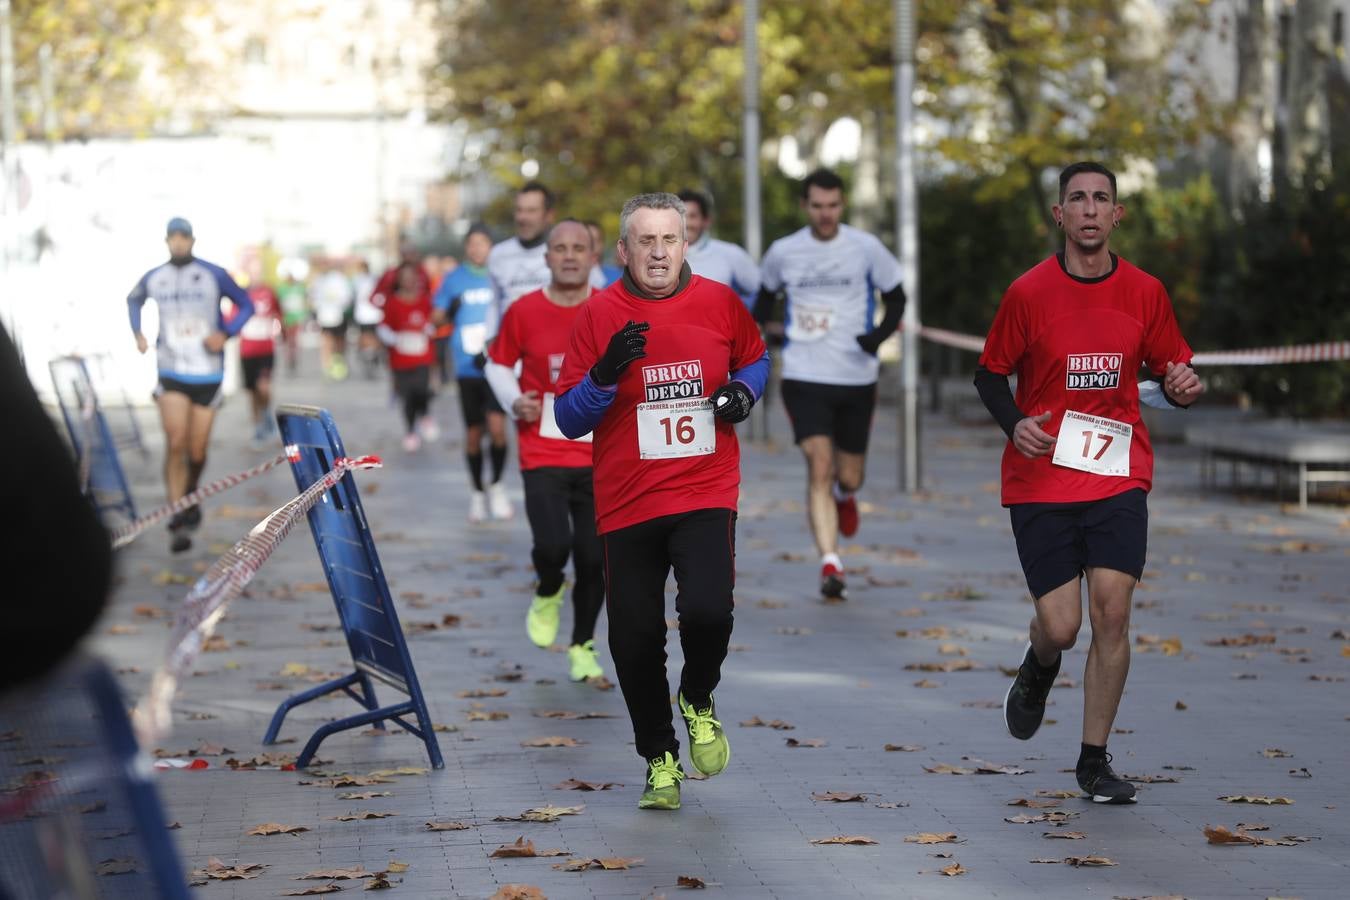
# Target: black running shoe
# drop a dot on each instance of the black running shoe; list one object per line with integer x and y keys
{"x": 179, "y": 542}
{"x": 832, "y": 586}
{"x": 191, "y": 518}
{"x": 1024, "y": 704}
{"x": 1101, "y": 783}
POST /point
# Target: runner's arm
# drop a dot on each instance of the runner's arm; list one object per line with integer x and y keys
{"x": 239, "y": 297}
{"x": 753, "y": 376}
{"x": 581, "y": 408}
{"x": 502, "y": 380}
{"x": 135, "y": 302}
{"x": 997, "y": 397}
{"x": 894, "y": 301}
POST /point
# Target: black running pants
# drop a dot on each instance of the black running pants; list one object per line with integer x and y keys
{"x": 560, "y": 504}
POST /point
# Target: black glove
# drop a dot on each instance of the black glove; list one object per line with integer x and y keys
{"x": 480, "y": 360}
{"x": 870, "y": 342}
{"x": 629, "y": 343}
{"x": 732, "y": 401}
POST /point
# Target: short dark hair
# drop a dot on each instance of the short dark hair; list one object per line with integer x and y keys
{"x": 537, "y": 187}
{"x": 1079, "y": 168}
{"x": 478, "y": 228}
{"x": 689, "y": 195}
{"x": 825, "y": 179}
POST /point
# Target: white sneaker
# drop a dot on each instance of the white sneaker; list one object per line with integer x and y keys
{"x": 411, "y": 442}
{"x": 431, "y": 432}
{"x": 478, "y": 507}
{"x": 501, "y": 505}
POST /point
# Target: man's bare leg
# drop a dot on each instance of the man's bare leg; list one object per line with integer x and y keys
{"x": 1110, "y": 594}
{"x": 175, "y": 410}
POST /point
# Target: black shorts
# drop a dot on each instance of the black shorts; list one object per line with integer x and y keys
{"x": 207, "y": 395}
{"x": 842, "y": 412}
{"x": 256, "y": 367}
{"x": 1058, "y": 541}
{"x": 337, "y": 331}
{"x": 476, "y": 400}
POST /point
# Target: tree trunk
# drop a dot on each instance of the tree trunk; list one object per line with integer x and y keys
{"x": 1307, "y": 115}
{"x": 1255, "y": 101}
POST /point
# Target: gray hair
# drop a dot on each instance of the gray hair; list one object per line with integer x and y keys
{"x": 657, "y": 200}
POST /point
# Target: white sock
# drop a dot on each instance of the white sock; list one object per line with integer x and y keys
{"x": 839, "y": 493}
{"x": 832, "y": 559}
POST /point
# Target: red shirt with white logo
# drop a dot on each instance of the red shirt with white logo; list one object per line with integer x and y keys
{"x": 1079, "y": 345}
{"x": 656, "y": 453}
{"x": 409, "y": 318}
{"x": 534, "y": 332}
{"x": 257, "y": 337}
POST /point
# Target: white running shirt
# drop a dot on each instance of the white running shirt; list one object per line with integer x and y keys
{"x": 515, "y": 270}
{"x": 830, "y": 289}
{"x": 725, "y": 262}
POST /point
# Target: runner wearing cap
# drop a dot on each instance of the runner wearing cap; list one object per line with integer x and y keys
{"x": 831, "y": 273}
{"x": 559, "y": 499}
{"x": 660, "y": 365}
{"x": 1078, "y": 466}
{"x": 464, "y": 300}
{"x": 190, "y": 356}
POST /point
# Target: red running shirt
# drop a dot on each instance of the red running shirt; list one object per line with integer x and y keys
{"x": 1079, "y": 346}
{"x": 696, "y": 338}
{"x": 534, "y": 331}
{"x": 409, "y": 320}
{"x": 257, "y": 337}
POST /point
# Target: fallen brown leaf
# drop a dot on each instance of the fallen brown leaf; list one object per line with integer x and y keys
{"x": 1034, "y": 804}
{"x": 310, "y": 891}
{"x": 839, "y": 797}
{"x": 401, "y": 770}
{"x": 122, "y": 866}
{"x": 1088, "y": 861}
{"x": 903, "y": 748}
{"x": 552, "y": 741}
{"x": 518, "y": 892}
{"x": 548, "y": 813}
{"x": 398, "y": 867}
{"x": 218, "y": 870}
{"x": 569, "y": 715}
{"x": 274, "y": 828}
{"x": 1244, "y": 640}
{"x": 1276, "y": 753}
{"x": 337, "y": 874}
{"x": 483, "y": 715}
{"x": 362, "y": 814}
{"x": 522, "y": 849}
{"x": 946, "y": 665}
{"x": 1059, "y": 794}
{"x": 689, "y": 881}
{"x": 608, "y": 863}
{"x": 946, "y": 769}
{"x": 575, "y": 784}
{"x": 776, "y": 724}
{"x": 926, "y": 683}
{"x": 1064, "y": 835}
{"x": 447, "y": 826}
{"x": 844, "y": 839}
{"x": 483, "y": 692}
{"x": 806, "y": 742}
{"x": 928, "y": 837}
{"x": 364, "y": 795}
{"x": 953, "y": 870}
{"x": 1263, "y": 801}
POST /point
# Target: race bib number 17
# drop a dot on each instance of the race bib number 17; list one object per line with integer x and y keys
{"x": 669, "y": 429}
{"x": 1094, "y": 444}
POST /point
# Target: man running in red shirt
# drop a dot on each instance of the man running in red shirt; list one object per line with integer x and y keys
{"x": 257, "y": 353}
{"x": 407, "y": 331}
{"x": 667, "y": 474}
{"x": 1078, "y": 466}
{"x": 559, "y": 498}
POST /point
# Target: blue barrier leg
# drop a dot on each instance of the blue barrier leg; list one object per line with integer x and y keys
{"x": 368, "y": 689}
{"x": 356, "y": 721}
{"x": 428, "y": 730}
{"x": 343, "y": 683}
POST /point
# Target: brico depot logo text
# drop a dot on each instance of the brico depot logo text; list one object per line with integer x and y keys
{"x": 1093, "y": 371}
{"x": 675, "y": 381}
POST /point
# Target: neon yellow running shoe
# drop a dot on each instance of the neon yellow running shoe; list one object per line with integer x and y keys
{"x": 664, "y": 775}
{"x": 708, "y": 747}
{"x": 584, "y": 663}
{"x": 541, "y": 622}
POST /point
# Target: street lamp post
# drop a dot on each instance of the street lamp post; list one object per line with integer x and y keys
{"x": 907, "y": 242}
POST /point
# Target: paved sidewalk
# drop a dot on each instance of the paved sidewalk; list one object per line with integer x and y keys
{"x": 934, "y": 586}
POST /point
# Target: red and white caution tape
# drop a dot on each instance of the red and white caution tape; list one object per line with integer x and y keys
{"x": 1260, "y": 356}
{"x": 132, "y": 530}
{"x": 205, "y": 604}
{"x": 1274, "y": 356}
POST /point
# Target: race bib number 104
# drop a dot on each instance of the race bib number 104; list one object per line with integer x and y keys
{"x": 1094, "y": 444}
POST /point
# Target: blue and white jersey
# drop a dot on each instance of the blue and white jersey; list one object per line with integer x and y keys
{"x": 188, "y": 296}
{"x": 725, "y": 262}
{"x": 831, "y": 299}
{"x": 473, "y": 287}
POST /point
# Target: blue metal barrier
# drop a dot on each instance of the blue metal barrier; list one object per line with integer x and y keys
{"x": 79, "y": 816}
{"x": 95, "y": 449}
{"x": 365, "y": 608}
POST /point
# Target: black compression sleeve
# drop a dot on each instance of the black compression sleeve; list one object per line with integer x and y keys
{"x": 997, "y": 397}
{"x": 765, "y": 301}
{"x": 894, "y": 301}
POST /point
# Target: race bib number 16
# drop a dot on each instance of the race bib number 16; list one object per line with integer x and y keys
{"x": 1094, "y": 444}
{"x": 668, "y": 429}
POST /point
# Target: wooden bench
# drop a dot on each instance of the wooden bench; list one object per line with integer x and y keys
{"x": 1314, "y": 452}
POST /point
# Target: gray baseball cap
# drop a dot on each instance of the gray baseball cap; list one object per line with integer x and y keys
{"x": 178, "y": 225}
